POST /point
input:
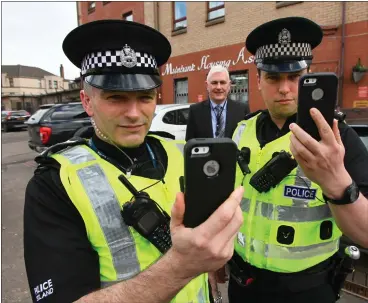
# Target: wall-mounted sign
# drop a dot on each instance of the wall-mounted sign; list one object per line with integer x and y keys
{"x": 360, "y": 103}
{"x": 363, "y": 91}
{"x": 206, "y": 63}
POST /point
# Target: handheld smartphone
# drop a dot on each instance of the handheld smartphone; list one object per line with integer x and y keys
{"x": 209, "y": 177}
{"x": 318, "y": 90}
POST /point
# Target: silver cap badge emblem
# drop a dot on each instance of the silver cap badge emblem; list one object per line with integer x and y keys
{"x": 128, "y": 57}
{"x": 284, "y": 37}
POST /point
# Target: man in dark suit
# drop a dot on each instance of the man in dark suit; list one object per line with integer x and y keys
{"x": 218, "y": 116}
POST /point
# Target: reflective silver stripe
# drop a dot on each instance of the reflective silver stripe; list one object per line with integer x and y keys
{"x": 105, "y": 284}
{"x": 200, "y": 296}
{"x": 292, "y": 213}
{"x": 302, "y": 181}
{"x": 107, "y": 210}
{"x": 180, "y": 146}
{"x": 287, "y": 213}
{"x": 78, "y": 155}
{"x": 293, "y": 253}
{"x": 245, "y": 205}
{"x": 239, "y": 133}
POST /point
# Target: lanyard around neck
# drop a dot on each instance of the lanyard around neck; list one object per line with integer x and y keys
{"x": 218, "y": 115}
{"x": 129, "y": 169}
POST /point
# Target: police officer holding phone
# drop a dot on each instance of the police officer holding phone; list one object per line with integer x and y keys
{"x": 300, "y": 194}
{"x": 96, "y": 223}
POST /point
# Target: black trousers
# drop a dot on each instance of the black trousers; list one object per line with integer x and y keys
{"x": 257, "y": 293}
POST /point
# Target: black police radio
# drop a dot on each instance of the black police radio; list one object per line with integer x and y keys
{"x": 273, "y": 172}
{"x": 147, "y": 218}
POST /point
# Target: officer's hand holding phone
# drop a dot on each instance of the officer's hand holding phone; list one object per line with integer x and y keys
{"x": 323, "y": 161}
{"x": 210, "y": 245}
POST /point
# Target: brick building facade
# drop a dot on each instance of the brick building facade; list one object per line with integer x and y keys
{"x": 200, "y": 39}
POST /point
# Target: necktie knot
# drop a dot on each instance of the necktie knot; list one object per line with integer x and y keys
{"x": 218, "y": 108}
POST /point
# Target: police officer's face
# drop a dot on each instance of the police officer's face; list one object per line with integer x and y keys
{"x": 124, "y": 117}
{"x": 280, "y": 92}
{"x": 218, "y": 86}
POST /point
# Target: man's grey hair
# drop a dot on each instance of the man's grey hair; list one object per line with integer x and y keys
{"x": 217, "y": 69}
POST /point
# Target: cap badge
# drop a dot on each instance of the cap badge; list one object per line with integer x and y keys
{"x": 284, "y": 37}
{"x": 128, "y": 57}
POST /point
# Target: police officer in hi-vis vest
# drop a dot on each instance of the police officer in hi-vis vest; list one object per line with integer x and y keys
{"x": 296, "y": 206}
{"x": 97, "y": 224}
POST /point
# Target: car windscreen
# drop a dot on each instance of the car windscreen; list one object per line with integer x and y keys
{"x": 35, "y": 118}
{"x": 68, "y": 112}
{"x": 19, "y": 113}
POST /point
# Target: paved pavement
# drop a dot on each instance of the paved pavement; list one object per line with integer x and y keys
{"x": 17, "y": 168}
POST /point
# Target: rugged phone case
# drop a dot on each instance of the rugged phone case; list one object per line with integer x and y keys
{"x": 204, "y": 194}
{"x": 322, "y": 95}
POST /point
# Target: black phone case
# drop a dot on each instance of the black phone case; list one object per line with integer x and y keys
{"x": 327, "y": 82}
{"x": 203, "y": 194}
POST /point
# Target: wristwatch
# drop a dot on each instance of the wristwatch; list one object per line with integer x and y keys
{"x": 351, "y": 194}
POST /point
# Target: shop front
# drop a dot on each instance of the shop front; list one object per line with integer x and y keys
{"x": 184, "y": 76}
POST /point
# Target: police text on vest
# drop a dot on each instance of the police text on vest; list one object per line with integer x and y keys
{"x": 297, "y": 192}
{"x": 43, "y": 290}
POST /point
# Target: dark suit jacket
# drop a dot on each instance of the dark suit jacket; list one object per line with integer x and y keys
{"x": 200, "y": 119}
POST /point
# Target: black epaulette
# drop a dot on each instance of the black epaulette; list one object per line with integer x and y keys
{"x": 60, "y": 146}
{"x": 339, "y": 116}
{"x": 252, "y": 114}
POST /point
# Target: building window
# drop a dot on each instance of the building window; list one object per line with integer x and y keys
{"x": 128, "y": 16}
{"x": 215, "y": 10}
{"x": 280, "y": 4}
{"x": 179, "y": 15}
{"x": 55, "y": 84}
{"x": 91, "y": 6}
{"x": 181, "y": 90}
{"x": 239, "y": 87}
{"x": 11, "y": 82}
{"x": 50, "y": 84}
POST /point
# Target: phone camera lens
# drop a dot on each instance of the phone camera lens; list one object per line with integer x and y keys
{"x": 196, "y": 150}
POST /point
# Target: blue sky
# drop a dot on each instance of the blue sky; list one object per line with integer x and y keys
{"x": 33, "y": 32}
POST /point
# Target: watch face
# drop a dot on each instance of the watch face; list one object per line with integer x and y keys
{"x": 353, "y": 192}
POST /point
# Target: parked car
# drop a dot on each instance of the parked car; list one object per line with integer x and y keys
{"x": 39, "y": 113}
{"x": 14, "y": 119}
{"x": 56, "y": 124}
{"x": 53, "y": 124}
{"x": 172, "y": 119}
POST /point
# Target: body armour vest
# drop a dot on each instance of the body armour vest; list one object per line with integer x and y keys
{"x": 289, "y": 228}
{"x": 93, "y": 186}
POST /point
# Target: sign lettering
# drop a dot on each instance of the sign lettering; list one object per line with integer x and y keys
{"x": 206, "y": 63}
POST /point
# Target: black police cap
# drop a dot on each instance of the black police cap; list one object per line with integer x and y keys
{"x": 284, "y": 45}
{"x": 117, "y": 54}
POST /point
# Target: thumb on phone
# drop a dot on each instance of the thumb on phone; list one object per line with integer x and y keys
{"x": 177, "y": 211}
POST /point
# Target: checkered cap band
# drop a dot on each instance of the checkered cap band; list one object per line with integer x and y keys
{"x": 113, "y": 59}
{"x": 296, "y": 50}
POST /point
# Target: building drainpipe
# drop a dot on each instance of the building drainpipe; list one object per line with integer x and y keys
{"x": 77, "y": 3}
{"x": 342, "y": 56}
{"x": 156, "y": 15}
